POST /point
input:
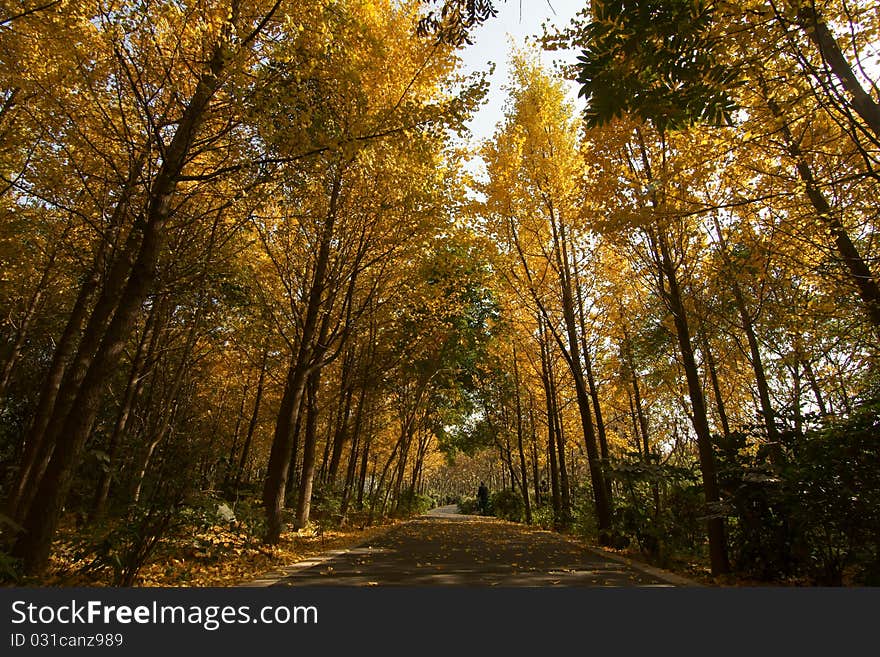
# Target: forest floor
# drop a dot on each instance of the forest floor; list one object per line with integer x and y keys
{"x": 444, "y": 548}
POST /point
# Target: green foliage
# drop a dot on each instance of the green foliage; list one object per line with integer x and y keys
{"x": 468, "y": 506}
{"x": 656, "y": 60}
{"x": 507, "y": 504}
{"x": 450, "y": 21}
{"x": 660, "y": 510}
{"x": 542, "y": 517}
{"x": 326, "y": 504}
{"x": 128, "y": 544}
{"x": 414, "y": 504}
{"x": 835, "y": 485}
{"x": 10, "y": 567}
{"x": 812, "y": 511}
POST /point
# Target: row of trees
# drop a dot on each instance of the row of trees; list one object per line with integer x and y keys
{"x": 231, "y": 267}
{"x": 690, "y": 280}
{"x": 242, "y": 265}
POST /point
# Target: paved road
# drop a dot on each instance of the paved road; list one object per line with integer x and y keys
{"x": 444, "y": 548}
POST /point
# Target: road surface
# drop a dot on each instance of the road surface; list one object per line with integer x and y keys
{"x": 443, "y": 548}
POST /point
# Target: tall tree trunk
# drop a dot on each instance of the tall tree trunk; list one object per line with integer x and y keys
{"x": 551, "y": 427}
{"x": 711, "y": 491}
{"x": 534, "y": 443}
{"x": 304, "y": 501}
{"x": 351, "y": 470}
{"x": 230, "y": 468}
{"x": 748, "y": 327}
{"x": 306, "y": 358}
{"x": 593, "y": 388}
{"x": 140, "y": 364}
{"x": 27, "y": 316}
{"x": 73, "y": 428}
{"x": 572, "y": 355}
{"x": 519, "y": 441}
{"x": 865, "y": 282}
{"x": 362, "y": 478}
{"x": 670, "y": 292}
{"x": 716, "y": 385}
{"x": 252, "y": 425}
{"x": 860, "y": 100}
{"x": 37, "y": 445}
{"x": 814, "y": 385}
{"x": 564, "y": 488}
{"x": 340, "y": 435}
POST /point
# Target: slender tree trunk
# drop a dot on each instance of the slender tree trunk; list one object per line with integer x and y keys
{"x": 37, "y": 448}
{"x": 859, "y": 272}
{"x": 564, "y": 489}
{"x": 814, "y": 385}
{"x": 551, "y": 428}
{"x": 347, "y": 387}
{"x": 143, "y": 356}
{"x": 860, "y": 100}
{"x": 236, "y": 432}
{"x": 351, "y": 471}
{"x": 304, "y": 502}
{"x": 593, "y": 388}
{"x": 519, "y": 440}
{"x": 294, "y": 472}
{"x": 306, "y": 358}
{"x": 172, "y": 399}
{"x": 748, "y": 327}
{"x": 600, "y": 491}
{"x": 534, "y": 442}
{"x": 796, "y": 403}
{"x": 252, "y": 425}
{"x": 711, "y": 491}
{"x": 637, "y": 436}
{"x": 21, "y": 332}
{"x": 670, "y": 291}
{"x": 362, "y": 478}
{"x": 716, "y": 385}
{"x": 126, "y": 299}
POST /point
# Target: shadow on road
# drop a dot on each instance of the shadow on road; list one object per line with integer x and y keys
{"x": 445, "y": 548}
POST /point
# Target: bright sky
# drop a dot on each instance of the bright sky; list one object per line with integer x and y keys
{"x": 517, "y": 20}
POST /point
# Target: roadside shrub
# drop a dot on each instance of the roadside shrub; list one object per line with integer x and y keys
{"x": 325, "y": 505}
{"x": 542, "y": 516}
{"x": 468, "y": 506}
{"x": 507, "y": 504}
{"x": 413, "y": 504}
{"x": 658, "y": 510}
{"x": 812, "y": 510}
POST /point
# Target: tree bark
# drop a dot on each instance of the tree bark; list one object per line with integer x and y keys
{"x": 252, "y": 425}
{"x": 711, "y": 491}
{"x": 860, "y": 273}
{"x": 310, "y": 439}
{"x": 600, "y": 491}
{"x": 305, "y": 360}
{"x": 140, "y": 365}
{"x": 860, "y": 100}
{"x": 551, "y": 426}
{"x": 347, "y": 386}
{"x": 519, "y": 441}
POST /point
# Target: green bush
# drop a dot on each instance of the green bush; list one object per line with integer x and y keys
{"x": 659, "y": 509}
{"x": 812, "y": 508}
{"x": 468, "y": 506}
{"x": 507, "y": 504}
{"x": 542, "y": 516}
{"x": 325, "y": 505}
{"x": 413, "y": 504}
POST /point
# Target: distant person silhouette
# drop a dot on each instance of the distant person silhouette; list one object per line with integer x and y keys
{"x": 483, "y": 499}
